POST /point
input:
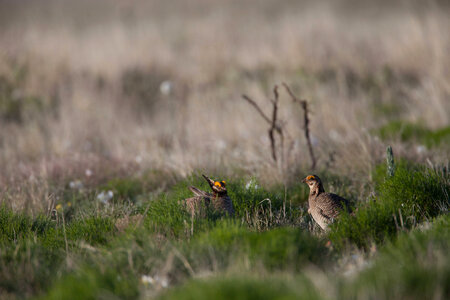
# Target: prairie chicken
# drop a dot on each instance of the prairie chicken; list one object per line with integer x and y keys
{"x": 218, "y": 200}
{"x": 324, "y": 207}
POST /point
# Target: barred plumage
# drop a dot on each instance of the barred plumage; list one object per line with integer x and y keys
{"x": 323, "y": 207}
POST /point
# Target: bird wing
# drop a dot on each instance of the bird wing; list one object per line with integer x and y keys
{"x": 198, "y": 192}
{"x": 196, "y": 204}
{"x": 330, "y": 205}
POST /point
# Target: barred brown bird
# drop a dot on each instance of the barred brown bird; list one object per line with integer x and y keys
{"x": 324, "y": 207}
{"x": 218, "y": 200}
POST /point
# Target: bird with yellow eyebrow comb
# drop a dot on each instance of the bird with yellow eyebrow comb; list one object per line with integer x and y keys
{"x": 323, "y": 207}
{"x": 218, "y": 200}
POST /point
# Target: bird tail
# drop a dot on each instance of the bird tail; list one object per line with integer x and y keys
{"x": 197, "y": 192}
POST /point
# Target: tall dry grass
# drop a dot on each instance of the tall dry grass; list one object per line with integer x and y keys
{"x": 348, "y": 61}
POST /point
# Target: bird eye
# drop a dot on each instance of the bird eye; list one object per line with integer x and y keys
{"x": 224, "y": 183}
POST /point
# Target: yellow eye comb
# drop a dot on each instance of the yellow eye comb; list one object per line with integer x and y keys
{"x": 310, "y": 177}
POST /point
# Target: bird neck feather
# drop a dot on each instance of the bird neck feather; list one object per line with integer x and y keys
{"x": 316, "y": 190}
{"x": 219, "y": 194}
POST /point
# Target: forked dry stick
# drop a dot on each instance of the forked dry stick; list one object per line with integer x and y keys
{"x": 304, "y": 105}
{"x": 257, "y": 108}
{"x": 275, "y": 126}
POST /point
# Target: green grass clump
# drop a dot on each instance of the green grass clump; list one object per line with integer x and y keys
{"x": 126, "y": 188}
{"x": 411, "y": 196}
{"x": 32, "y": 250}
{"x": 418, "y": 194}
{"x": 18, "y": 226}
{"x": 28, "y": 267}
{"x": 415, "y": 266}
{"x": 248, "y": 195}
{"x": 94, "y": 284}
{"x": 165, "y": 215}
{"x": 240, "y": 287}
{"x": 276, "y": 249}
{"x": 91, "y": 230}
{"x": 408, "y": 132}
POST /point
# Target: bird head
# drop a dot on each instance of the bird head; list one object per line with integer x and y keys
{"x": 314, "y": 182}
{"x": 218, "y": 187}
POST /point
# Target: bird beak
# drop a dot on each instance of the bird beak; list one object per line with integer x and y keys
{"x": 210, "y": 181}
{"x": 304, "y": 180}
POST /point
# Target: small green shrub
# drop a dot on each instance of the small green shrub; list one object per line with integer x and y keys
{"x": 418, "y": 194}
{"x": 412, "y": 195}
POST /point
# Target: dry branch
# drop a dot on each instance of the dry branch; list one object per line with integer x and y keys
{"x": 275, "y": 125}
{"x": 278, "y": 126}
{"x": 304, "y": 105}
{"x": 256, "y": 107}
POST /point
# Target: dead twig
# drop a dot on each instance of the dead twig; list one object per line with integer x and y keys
{"x": 304, "y": 105}
{"x": 265, "y": 117}
{"x": 275, "y": 125}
